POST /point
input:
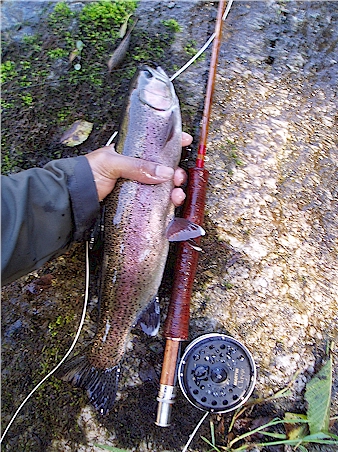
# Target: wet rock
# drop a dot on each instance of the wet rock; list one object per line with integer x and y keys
{"x": 275, "y": 206}
{"x": 13, "y": 329}
{"x": 268, "y": 273}
{"x": 21, "y": 16}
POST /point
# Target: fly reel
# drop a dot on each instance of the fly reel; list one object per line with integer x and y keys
{"x": 217, "y": 373}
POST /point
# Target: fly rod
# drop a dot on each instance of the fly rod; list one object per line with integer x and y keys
{"x": 176, "y": 328}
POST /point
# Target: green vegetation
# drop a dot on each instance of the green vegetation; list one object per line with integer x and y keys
{"x": 65, "y": 81}
{"x": 173, "y": 25}
{"x": 190, "y": 48}
{"x": 8, "y": 71}
{"x": 27, "y": 99}
{"x": 8, "y": 163}
{"x": 300, "y": 429}
{"x": 103, "y": 12}
{"x": 60, "y": 321}
{"x": 230, "y": 156}
{"x": 54, "y": 54}
{"x": 61, "y": 16}
{"x": 227, "y": 285}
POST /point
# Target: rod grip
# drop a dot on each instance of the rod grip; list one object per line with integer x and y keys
{"x": 177, "y": 323}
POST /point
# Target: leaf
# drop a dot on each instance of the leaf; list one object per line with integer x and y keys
{"x": 318, "y": 397}
{"x": 274, "y": 435}
{"x": 73, "y": 55}
{"x": 124, "y": 26}
{"x": 210, "y": 444}
{"x": 113, "y": 449}
{"x": 76, "y": 53}
{"x": 38, "y": 285}
{"x": 302, "y": 448}
{"x": 120, "y": 52}
{"x": 295, "y": 430}
{"x": 79, "y": 45}
{"x": 77, "y": 133}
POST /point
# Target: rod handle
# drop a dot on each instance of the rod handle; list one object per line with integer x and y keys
{"x": 177, "y": 322}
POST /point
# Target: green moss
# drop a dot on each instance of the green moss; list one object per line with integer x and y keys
{"x": 190, "y": 48}
{"x": 150, "y": 48}
{"x": 61, "y": 15}
{"x": 7, "y": 164}
{"x": 227, "y": 285}
{"x": 33, "y": 43}
{"x": 54, "y": 54}
{"x": 6, "y": 105}
{"x": 10, "y": 160}
{"x": 105, "y": 12}
{"x": 26, "y": 65}
{"x": 63, "y": 114}
{"x": 59, "y": 323}
{"x": 230, "y": 156}
{"x": 59, "y": 92}
{"x": 27, "y": 99}
{"x": 107, "y": 16}
{"x": 25, "y": 82}
{"x": 8, "y": 71}
{"x": 173, "y": 25}
{"x": 232, "y": 152}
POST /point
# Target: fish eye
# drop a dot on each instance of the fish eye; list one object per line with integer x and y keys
{"x": 147, "y": 73}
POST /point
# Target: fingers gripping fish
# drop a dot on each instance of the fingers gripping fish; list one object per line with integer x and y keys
{"x": 137, "y": 220}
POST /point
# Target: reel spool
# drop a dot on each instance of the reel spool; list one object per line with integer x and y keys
{"x": 217, "y": 373}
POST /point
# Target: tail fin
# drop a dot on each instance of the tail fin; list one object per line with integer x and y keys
{"x": 100, "y": 384}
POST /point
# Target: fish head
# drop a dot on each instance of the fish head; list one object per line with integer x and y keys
{"x": 155, "y": 88}
{"x": 151, "y": 126}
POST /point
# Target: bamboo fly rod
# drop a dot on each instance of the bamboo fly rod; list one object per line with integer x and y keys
{"x": 177, "y": 324}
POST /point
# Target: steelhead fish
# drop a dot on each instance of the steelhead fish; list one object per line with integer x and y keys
{"x": 137, "y": 219}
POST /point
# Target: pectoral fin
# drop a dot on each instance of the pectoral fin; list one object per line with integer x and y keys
{"x": 181, "y": 229}
{"x": 149, "y": 320}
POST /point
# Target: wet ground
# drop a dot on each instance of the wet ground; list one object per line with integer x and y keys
{"x": 268, "y": 273}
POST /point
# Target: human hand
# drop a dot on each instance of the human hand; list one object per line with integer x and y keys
{"x": 108, "y": 166}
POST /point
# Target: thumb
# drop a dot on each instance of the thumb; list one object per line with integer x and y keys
{"x": 108, "y": 164}
{"x": 142, "y": 170}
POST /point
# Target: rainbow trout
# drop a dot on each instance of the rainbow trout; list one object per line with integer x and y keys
{"x": 137, "y": 217}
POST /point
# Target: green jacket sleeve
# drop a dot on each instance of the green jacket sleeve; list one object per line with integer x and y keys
{"x": 43, "y": 210}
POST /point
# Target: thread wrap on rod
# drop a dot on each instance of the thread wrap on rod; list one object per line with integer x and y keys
{"x": 177, "y": 323}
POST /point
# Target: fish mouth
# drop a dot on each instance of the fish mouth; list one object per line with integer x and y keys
{"x": 156, "y": 90}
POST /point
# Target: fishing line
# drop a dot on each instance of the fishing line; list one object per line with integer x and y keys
{"x": 111, "y": 138}
{"x": 206, "y": 45}
{"x": 191, "y": 437}
{"x": 86, "y": 296}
